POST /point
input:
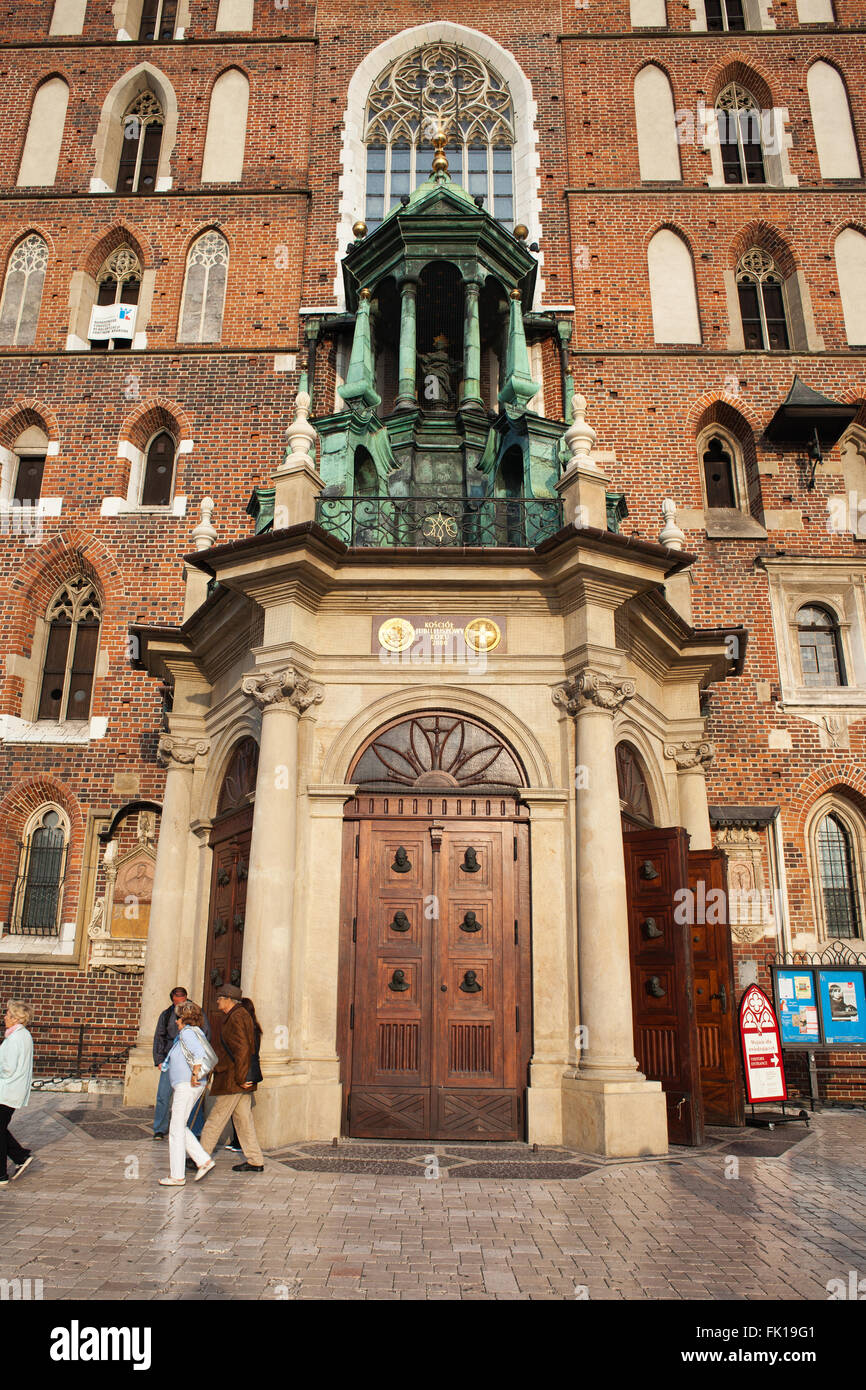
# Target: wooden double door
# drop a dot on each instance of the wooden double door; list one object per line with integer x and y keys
{"x": 435, "y": 981}
{"x": 682, "y": 980}
{"x": 230, "y": 842}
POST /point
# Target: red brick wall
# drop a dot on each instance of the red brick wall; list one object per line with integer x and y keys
{"x": 647, "y": 405}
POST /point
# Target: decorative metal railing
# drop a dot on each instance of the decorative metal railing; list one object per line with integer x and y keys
{"x": 515, "y": 522}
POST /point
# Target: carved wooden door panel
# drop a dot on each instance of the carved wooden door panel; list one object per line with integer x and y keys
{"x": 390, "y": 1014}
{"x": 666, "y": 1037}
{"x": 435, "y": 964}
{"x": 228, "y": 898}
{"x": 477, "y": 1018}
{"x": 715, "y": 1011}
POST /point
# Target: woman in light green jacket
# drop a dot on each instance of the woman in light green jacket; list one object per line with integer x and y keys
{"x": 16, "y": 1075}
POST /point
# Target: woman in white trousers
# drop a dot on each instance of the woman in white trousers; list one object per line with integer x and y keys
{"x": 187, "y": 1072}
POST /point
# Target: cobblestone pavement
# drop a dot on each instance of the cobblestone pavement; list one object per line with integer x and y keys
{"x": 90, "y": 1221}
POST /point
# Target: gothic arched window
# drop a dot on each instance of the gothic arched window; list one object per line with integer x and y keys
{"x": 204, "y": 291}
{"x": 118, "y": 282}
{"x": 762, "y": 302}
{"x": 73, "y": 619}
{"x": 838, "y": 878}
{"x": 41, "y": 870}
{"x": 22, "y": 292}
{"x": 440, "y": 87}
{"x": 739, "y": 120}
{"x": 142, "y": 139}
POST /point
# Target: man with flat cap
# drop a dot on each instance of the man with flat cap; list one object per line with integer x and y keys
{"x": 233, "y": 1083}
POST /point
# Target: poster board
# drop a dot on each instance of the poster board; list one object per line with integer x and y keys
{"x": 821, "y": 1006}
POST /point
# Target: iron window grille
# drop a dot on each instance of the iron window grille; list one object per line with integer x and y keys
{"x": 41, "y": 873}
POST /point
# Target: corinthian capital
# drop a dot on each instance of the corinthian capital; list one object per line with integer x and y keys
{"x": 180, "y": 752}
{"x": 589, "y": 689}
{"x": 283, "y": 687}
{"x": 690, "y": 755}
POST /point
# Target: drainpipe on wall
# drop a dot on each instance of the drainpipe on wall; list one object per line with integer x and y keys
{"x": 779, "y": 881}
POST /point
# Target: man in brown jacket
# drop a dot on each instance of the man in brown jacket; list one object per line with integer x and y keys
{"x": 231, "y": 1092}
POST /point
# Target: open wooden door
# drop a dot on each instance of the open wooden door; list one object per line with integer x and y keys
{"x": 662, "y": 976}
{"x": 715, "y": 1006}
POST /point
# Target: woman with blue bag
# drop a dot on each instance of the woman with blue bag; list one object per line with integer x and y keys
{"x": 188, "y": 1064}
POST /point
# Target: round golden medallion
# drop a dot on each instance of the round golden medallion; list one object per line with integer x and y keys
{"x": 482, "y": 634}
{"x": 396, "y": 634}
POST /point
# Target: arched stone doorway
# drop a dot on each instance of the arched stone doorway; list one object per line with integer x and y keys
{"x": 435, "y": 984}
{"x": 230, "y": 841}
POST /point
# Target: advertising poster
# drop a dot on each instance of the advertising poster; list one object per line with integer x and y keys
{"x": 797, "y": 1006}
{"x": 843, "y": 1005}
{"x": 762, "y": 1048}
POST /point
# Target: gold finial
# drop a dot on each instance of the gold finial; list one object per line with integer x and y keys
{"x": 365, "y": 294}
{"x": 515, "y": 294}
{"x": 359, "y": 230}
{"x": 521, "y": 232}
{"x": 440, "y": 160}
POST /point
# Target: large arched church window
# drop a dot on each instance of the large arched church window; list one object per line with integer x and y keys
{"x": 68, "y": 669}
{"x": 442, "y": 86}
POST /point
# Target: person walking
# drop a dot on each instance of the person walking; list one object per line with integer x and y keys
{"x": 233, "y": 1084}
{"x": 16, "y": 1076}
{"x": 187, "y": 1066}
{"x": 163, "y": 1040}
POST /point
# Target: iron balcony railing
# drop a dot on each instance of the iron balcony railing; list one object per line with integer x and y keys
{"x": 516, "y": 522}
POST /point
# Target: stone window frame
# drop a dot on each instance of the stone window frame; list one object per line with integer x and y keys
{"x": 836, "y": 804}
{"x": 33, "y": 823}
{"x": 777, "y": 168}
{"x": 840, "y": 587}
{"x": 735, "y": 522}
{"x": 526, "y": 158}
{"x": 803, "y": 335}
{"x": 133, "y": 458}
{"x": 126, "y": 15}
{"x": 106, "y": 144}
{"x": 83, "y": 292}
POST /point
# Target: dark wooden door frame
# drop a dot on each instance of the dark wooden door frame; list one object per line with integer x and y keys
{"x": 451, "y": 811}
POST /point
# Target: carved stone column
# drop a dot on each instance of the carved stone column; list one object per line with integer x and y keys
{"x": 408, "y": 367}
{"x": 693, "y": 760}
{"x": 609, "y": 1107}
{"x": 283, "y": 696}
{"x": 166, "y": 910}
{"x": 471, "y": 394}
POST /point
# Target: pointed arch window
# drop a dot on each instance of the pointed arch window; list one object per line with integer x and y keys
{"x": 820, "y": 648}
{"x": 73, "y": 619}
{"x": 204, "y": 290}
{"x": 762, "y": 302}
{"x": 739, "y": 119}
{"x": 158, "y": 479}
{"x": 142, "y": 140}
{"x": 440, "y": 86}
{"x": 41, "y": 871}
{"x": 22, "y": 292}
{"x": 719, "y": 473}
{"x": 118, "y": 282}
{"x": 837, "y": 873}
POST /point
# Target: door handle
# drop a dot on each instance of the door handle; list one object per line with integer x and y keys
{"x": 722, "y": 996}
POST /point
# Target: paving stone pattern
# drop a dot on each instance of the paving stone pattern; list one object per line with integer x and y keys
{"x": 89, "y": 1219}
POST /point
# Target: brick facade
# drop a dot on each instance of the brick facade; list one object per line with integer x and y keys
{"x": 233, "y": 400}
